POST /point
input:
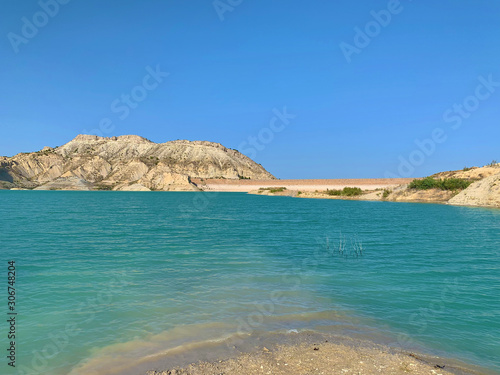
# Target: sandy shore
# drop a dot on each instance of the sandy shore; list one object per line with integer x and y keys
{"x": 298, "y": 185}
{"x": 319, "y": 355}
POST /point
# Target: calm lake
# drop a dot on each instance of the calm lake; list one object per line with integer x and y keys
{"x": 107, "y": 278}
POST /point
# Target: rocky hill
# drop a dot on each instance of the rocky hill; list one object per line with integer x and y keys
{"x": 127, "y": 162}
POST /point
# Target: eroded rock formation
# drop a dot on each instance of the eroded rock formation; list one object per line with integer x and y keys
{"x": 127, "y": 162}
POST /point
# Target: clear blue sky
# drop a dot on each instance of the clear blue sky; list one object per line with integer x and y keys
{"x": 227, "y": 77}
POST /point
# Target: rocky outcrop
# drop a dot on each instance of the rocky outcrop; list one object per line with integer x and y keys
{"x": 127, "y": 162}
{"x": 132, "y": 187}
{"x": 404, "y": 194}
{"x": 66, "y": 183}
{"x": 485, "y": 193}
{"x": 162, "y": 177}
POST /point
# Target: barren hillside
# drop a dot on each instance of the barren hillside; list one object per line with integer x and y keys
{"x": 128, "y": 162}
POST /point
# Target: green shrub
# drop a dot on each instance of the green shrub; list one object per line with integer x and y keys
{"x": 346, "y": 192}
{"x": 466, "y": 169}
{"x": 351, "y": 191}
{"x": 277, "y": 190}
{"x": 444, "y": 184}
{"x": 386, "y": 193}
{"x": 424, "y": 184}
{"x": 273, "y": 189}
{"x": 333, "y": 192}
{"x": 454, "y": 184}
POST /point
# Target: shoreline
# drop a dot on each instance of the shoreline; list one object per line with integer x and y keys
{"x": 368, "y": 196}
{"x": 484, "y": 189}
{"x": 312, "y": 352}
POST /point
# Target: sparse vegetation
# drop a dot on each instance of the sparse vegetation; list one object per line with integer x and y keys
{"x": 346, "y": 192}
{"x": 352, "y": 248}
{"x": 45, "y": 152}
{"x": 243, "y": 177}
{"x": 424, "y": 184}
{"x": 493, "y": 163}
{"x": 333, "y": 192}
{"x": 150, "y": 161}
{"x": 103, "y": 187}
{"x": 386, "y": 193}
{"x": 273, "y": 189}
{"x": 442, "y": 184}
{"x": 466, "y": 169}
{"x": 277, "y": 190}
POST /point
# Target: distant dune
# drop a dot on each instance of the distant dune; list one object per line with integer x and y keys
{"x": 299, "y": 185}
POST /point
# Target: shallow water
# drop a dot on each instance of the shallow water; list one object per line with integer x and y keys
{"x": 104, "y": 276}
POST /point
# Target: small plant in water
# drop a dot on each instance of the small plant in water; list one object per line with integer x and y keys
{"x": 346, "y": 248}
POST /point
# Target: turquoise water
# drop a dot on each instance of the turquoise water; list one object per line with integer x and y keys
{"x": 105, "y": 276}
